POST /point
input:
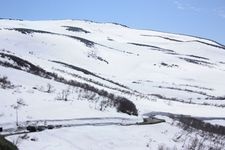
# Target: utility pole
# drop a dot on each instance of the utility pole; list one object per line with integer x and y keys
{"x": 18, "y": 104}
{"x": 16, "y": 107}
{"x": 17, "y": 122}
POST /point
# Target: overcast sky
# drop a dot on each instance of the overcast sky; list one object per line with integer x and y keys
{"x": 204, "y": 18}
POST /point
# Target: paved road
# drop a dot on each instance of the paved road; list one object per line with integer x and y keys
{"x": 75, "y": 122}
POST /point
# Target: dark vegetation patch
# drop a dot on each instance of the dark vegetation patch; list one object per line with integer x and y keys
{"x": 6, "y": 145}
{"x": 109, "y": 39}
{"x": 210, "y": 104}
{"x": 101, "y": 59}
{"x": 75, "y": 29}
{"x": 185, "y": 90}
{"x": 5, "y": 83}
{"x": 221, "y": 62}
{"x": 29, "y": 31}
{"x": 167, "y": 65}
{"x": 126, "y": 107}
{"x": 75, "y": 68}
{"x": 203, "y": 62}
{"x": 176, "y": 40}
{"x": 189, "y": 121}
{"x": 88, "y": 43}
{"x": 24, "y": 65}
{"x": 199, "y": 57}
{"x": 164, "y": 64}
{"x": 6, "y": 51}
{"x": 94, "y": 82}
{"x": 198, "y": 62}
{"x": 116, "y": 49}
{"x": 213, "y": 45}
{"x": 11, "y": 19}
{"x": 28, "y": 67}
{"x": 136, "y": 82}
{"x": 148, "y": 81}
{"x": 154, "y": 48}
{"x": 92, "y": 54}
{"x": 213, "y": 134}
{"x": 32, "y": 128}
{"x": 169, "y": 99}
{"x": 118, "y": 24}
{"x": 216, "y": 98}
{"x": 167, "y": 38}
{"x": 222, "y": 46}
{"x": 195, "y": 86}
{"x": 206, "y": 136}
{"x": 89, "y": 73}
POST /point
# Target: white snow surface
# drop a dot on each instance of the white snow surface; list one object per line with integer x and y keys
{"x": 172, "y": 73}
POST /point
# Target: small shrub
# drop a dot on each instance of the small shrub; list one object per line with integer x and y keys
{"x": 75, "y": 29}
{"x": 126, "y": 106}
{"x": 31, "y": 128}
{"x": 41, "y": 128}
{"x": 50, "y": 127}
{"x": 50, "y": 88}
{"x": 5, "y": 83}
{"x": 63, "y": 95}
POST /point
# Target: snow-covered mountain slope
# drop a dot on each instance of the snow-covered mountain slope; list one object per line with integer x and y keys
{"x": 71, "y": 69}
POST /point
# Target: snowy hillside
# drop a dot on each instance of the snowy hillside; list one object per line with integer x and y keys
{"x": 94, "y": 82}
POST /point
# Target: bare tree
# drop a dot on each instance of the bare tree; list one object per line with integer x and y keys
{"x": 19, "y": 103}
{"x": 63, "y": 95}
{"x": 49, "y": 88}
